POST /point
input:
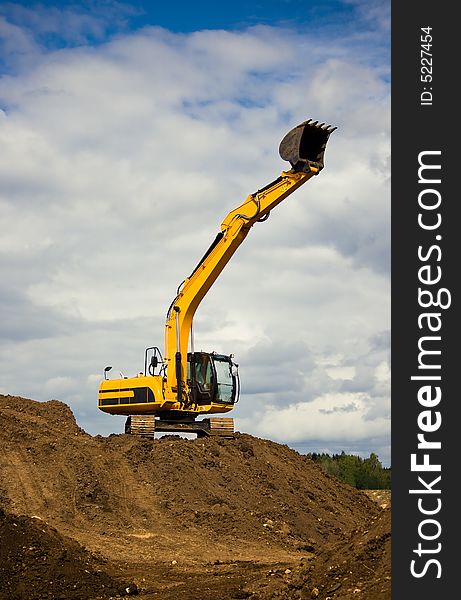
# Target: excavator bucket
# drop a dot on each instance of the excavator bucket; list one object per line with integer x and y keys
{"x": 304, "y": 146}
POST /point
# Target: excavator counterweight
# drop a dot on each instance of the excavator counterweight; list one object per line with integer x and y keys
{"x": 176, "y": 388}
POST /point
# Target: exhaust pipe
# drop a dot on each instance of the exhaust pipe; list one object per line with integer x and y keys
{"x": 304, "y": 146}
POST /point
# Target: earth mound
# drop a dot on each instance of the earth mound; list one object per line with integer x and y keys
{"x": 171, "y": 511}
{"x": 358, "y": 567}
{"x": 36, "y": 563}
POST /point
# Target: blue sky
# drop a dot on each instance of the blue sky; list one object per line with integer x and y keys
{"x": 192, "y": 16}
{"x": 49, "y": 20}
{"x": 127, "y": 133}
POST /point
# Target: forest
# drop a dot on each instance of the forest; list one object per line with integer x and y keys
{"x": 361, "y": 473}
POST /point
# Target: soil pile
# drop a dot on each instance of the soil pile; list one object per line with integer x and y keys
{"x": 36, "y": 563}
{"x": 357, "y": 568}
{"x": 171, "y": 511}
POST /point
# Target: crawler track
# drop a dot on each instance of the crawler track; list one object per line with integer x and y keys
{"x": 148, "y": 426}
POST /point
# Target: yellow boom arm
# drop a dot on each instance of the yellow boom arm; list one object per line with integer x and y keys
{"x": 304, "y": 148}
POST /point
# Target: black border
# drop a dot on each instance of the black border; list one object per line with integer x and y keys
{"x": 416, "y": 128}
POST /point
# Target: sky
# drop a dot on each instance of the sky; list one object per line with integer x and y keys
{"x": 127, "y": 133}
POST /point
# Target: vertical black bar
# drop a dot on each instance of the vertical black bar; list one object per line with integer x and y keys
{"x": 178, "y": 367}
{"x": 425, "y": 301}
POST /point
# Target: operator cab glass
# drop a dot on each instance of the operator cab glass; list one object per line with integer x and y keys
{"x": 225, "y": 381}
{"x": 203, "y": 373}
{"x": 211, "y": 378}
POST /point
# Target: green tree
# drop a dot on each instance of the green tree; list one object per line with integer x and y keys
{"x": 361, "y": 473}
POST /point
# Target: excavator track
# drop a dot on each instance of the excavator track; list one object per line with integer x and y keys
{"x": 141, "y": 425}
{"x": 222, "y": 426}
{"x": 148, "y": 425}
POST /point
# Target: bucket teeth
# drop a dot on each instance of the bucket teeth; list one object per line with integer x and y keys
{"x": 304, "y": 146}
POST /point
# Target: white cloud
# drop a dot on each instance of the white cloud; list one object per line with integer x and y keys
{"x": 330, "y": 417}
{"x": 342, "y": 373}
{"x": 118, "y": 163}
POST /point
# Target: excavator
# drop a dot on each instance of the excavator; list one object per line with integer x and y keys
{"x": 176, "y": 388}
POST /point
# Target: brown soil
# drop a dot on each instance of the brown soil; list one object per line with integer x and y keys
{"x": 36, "y": 561}
{"x": 192, "y": 519}
{"x": 358, "y": 567}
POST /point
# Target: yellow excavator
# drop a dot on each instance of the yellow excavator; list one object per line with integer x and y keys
{"x": 176, "y": 388}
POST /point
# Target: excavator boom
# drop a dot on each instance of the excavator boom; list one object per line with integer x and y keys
{"x": 304, "y": 147}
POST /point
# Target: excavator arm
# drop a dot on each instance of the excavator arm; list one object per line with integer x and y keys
{"x": 304, "y": 148}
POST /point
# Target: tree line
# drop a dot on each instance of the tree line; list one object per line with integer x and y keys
{"x": 361, "y": 473}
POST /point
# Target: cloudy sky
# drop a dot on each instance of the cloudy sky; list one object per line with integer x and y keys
{"x": 127, "y": 133}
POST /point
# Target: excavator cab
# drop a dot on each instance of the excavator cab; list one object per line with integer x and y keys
{"x": 212, "y": 378}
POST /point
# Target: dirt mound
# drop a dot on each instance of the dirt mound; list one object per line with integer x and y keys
{"x": 149, "y": 506}
{"x": 246, "y": 488}
{"x": 358, "y": 566}
{"x": 36, "y": 563}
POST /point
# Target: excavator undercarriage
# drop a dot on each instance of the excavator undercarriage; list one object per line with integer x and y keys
{"x": 148, "y": 426}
